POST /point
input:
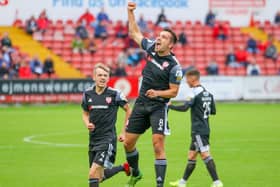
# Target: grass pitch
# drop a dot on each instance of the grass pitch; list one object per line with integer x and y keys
{"x": 245, "y": 144}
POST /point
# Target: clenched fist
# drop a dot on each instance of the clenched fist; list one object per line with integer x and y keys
{"x": 131, "y": 6}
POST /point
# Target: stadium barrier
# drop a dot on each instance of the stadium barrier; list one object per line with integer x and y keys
{"x": 58, "y": 90}
{"x": 224, "y": 88}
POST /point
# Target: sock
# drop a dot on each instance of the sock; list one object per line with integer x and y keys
{"x": 108, "y": 173}
{"x": 160, "y": 166}
{"x": 217, "y": 182}
{"x": 210, "y": 164}
{"x": 182, "y": 181}
{"x": 93, "y": 183}
{"x": 189, "y": 169}
{"x": 132, "y": 159}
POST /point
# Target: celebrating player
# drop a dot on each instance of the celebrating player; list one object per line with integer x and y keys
{"x": 202, "y": 105}
{"x": 100, "y": 106}
{"x": 161, "y": 78}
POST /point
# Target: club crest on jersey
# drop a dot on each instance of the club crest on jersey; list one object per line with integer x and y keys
{"x": 165, "y": 64}
{"x": 149, "y": 58}
{"x": 108, "y": 100}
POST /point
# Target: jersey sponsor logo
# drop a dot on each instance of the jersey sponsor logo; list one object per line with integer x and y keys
{"x": 4, "y": 2}
{"x": 108, "y": 100}
{"x": 98, "y": 107}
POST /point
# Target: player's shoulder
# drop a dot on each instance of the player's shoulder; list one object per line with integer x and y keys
{"x": 119, "y": 95}
{"x": 197, "y": 90}
{"x": 111, "y": 90}
{"x": 148, "y": 45}
{"x": 175, "y": 60}
{"x": 89, "y": 89}
{"x": 206, "y": 92}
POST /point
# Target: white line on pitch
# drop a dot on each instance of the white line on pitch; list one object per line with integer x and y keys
{"x": 30, "y": 139}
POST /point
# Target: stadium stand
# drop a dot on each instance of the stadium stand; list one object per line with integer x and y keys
{"x": 26, "y": 45}
{"x": 201, "y": 46}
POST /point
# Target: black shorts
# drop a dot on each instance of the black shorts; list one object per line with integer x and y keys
{"x": 148, "y": 114}
{"x": 200, "y": 143}
{"x": 102, "y": 154}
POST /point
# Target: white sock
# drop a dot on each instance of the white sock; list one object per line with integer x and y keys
{"x": 217, "y": 182}
{"x": 182, "y": 181}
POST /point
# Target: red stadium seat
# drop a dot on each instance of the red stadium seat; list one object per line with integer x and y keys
{"x": 231, "y": 71}
{"x": 241, "y": 72}
{"x": 76, "y": 64}
{"x": 77, "y": 58}
{"x": 47, "y": 44}
{"x": 272, "y": 71}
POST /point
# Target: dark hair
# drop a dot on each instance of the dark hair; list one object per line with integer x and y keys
{"x": 193, "y": 72}
{"x": 174, "y": 36}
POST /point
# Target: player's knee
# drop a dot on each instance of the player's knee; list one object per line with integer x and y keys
{"x": 204, "y": 155}
{"x": 158, "y": 144}
{"x": 94, "y": 172}
{"x": 128, "y": 145}
{"x": 192, "y": 155}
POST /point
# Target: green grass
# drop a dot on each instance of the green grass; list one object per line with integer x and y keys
{"x": 245, "y": 144}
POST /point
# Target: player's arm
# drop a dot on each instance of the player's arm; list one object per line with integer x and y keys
{"x": 175, "y": 77}
{"x": 85, "y": 115}
{"x": 169, "y": 93}
{"x": 213, "y": 107}
{"x": 90, "y": 126}
{"x": 134, "y": 31}
{"x": 123, "y": 102}
{"x": 127, "y": 110}
{"x": 181, "y": 108}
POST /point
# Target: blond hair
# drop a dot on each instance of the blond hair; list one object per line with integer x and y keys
{"x": 101, "y": 66}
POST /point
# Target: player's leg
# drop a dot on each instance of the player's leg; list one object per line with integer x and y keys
{"x": 158, "y": 120}
{"x": 160, "y": 159}
{"x": 189, "y": 168}
{"x": 203, "y": 143}
{"x": 109, "y": 160}
{"x": 108, "y": 173}
{"x": 93, "y": 176}
{"x": 132, "y": 157}
{"x": 136, "y": 126}
{"x": 96, "y": 173}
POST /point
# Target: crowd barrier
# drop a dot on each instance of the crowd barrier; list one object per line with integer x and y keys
{"x": 58, "y": 90}
{"x": 224, "y": 88}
